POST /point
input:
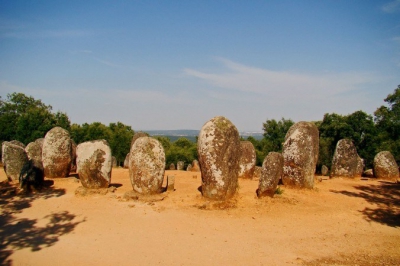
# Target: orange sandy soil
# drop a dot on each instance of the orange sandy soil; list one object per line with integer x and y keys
{"x": 340, "y": 222}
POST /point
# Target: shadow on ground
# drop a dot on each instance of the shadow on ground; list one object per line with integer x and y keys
{"x": 386, "y": 197}
{"x": 18, "y": 233}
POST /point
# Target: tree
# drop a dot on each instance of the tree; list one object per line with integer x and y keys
{"x": 121, "y": 136}
{"x": 387, "y": 119}
{"x": 274, "y": 134}
{"x": 25, "y": 119}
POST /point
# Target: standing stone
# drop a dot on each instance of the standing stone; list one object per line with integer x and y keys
{"x": 180, "y": 165}
{"x": 345, "y": 159}
{"x": 257, "y": 172}
{"x": 195, "y": 166}
{"x": 114, "y": 161}
{"x": 14, "y": 142}
{"x": 94, "y": 163}
{"x": 126, "y": 161}
{"x": 300, "y": 155}
{"x": 189, "y": 168}
{"x": 57, "y": 153}
{"x": 247, "y": 162}
{"x": 14, "y": 158}
{"x": 360, "y": 167}
{"x": 271, "y": 172}
{"x": 172, "y": 166}
{"x": 34, "y": 152}
{"x": 219, "y": 154}
{"x": 385, "y": 166}
{"x": 147, "y": 165}
{"x": 138, "y": 135}
{"x": 73, "y": 152}
{"x": 324, "y": 170}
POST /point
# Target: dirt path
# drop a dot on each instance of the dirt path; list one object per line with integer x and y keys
{"x": 341, "y": 222}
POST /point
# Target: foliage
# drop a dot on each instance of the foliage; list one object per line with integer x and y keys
{"x": 274, "y": 134}
{"x": 25, "y": 119}
{"x": 180, "y": 150}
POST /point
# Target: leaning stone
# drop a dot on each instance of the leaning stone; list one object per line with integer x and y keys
{"x": 247, "y": 161}
{"x": 300, "y": 155}
{"x": 345, "y": 159}
{"x": 219, "y": 154}
{"x": 94, "y": 163}
{"x": 271, "y": 172}
{"x": 385, "y": 166}
{"x": 324, "y": 170}
{"x": 180, "y": 165}
{"x": 14, "y": 158}
{"x": 147, "y": 165}
{"x": 57, "y": 153}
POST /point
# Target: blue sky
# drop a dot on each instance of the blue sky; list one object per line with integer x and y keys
{"x": 176, "y": 64}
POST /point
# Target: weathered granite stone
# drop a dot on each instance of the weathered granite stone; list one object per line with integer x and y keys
{"x": 172, "y": 166}
{"x": 126, "y": 161}
{"x": 271, "y": 172}
{"x": 73, "y": 153}
{"x": 34, "y": 152}
{"x": 195, "y": 166}
{"x": 57, "y": 153}
{"x": 257, "y": 172}
{"x": 218, "y": 148}
{"x": 138, "y": 135}
{"x": 189, "y": 168}
{"x": 15, "y": 142}
{"x": 324, "y": 170}
{"x": 345, "y": 159}
{"x": 147, "y": 165}
{"x": 360, "y": 167}
{"x": 14, "y": 158}
{"x": 114, "y": 161}
{"x": 247, "y": 162}
{"x": 300, "y": 155}
{"x": 180, "y": 165}
{"x": 94, "y": 163}
{"x": 385, "y": 166}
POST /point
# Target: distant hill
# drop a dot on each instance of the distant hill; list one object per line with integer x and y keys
{"x": 191, "y": 134}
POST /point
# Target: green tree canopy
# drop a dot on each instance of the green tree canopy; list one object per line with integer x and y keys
{"x": 274, "y": 134}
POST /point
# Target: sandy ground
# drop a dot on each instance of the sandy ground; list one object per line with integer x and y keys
{"x": 340, "y": 222}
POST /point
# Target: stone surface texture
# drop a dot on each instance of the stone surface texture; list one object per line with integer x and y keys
{"x": 385, "y": 166}
{"x": 147, "y": 165}
{"x": 57, "y": 153}
{"x": 219, "y": 154}
{"x": 271, "y": 172}
{"x": 300, "y": 155}
{"x": 248, "y": 159}
{"x": 94, "y": 164}
{"x": 345, "y": 159}
{"x": 14, "y": 158}
{"x": 34, "y": 152}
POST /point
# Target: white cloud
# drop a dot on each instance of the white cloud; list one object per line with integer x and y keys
{"x": 280, "y": 84}
{"x": 391, "y": 7}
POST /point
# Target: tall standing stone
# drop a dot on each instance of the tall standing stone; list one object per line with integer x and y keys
{"x": 94, "y": 163}
{"x": 138, "y": 135}
{"x": 195, "y": 166}
{"x": 247, "y": 162}
{"x": 14, "y": 158}
{"x": 180, "y": 165}
{"x": 271, "y": 172}
{"x": 300, "y": 155}
{"x": 385, "y": 166}
{"x": 218, "y": 149}
{"x": 57, "y": 153}
{"x": 147, "y": 165}
{"x": 345, "y": 159}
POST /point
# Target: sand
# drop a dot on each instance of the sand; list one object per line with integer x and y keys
{"x": 340, "y": 222}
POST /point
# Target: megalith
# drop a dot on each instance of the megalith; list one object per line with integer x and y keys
{"x": 126, "y": 161}
{"x": 138, "y": 135}
{"x": 218, "y": 150}
{"x": 300, "y": 155}
{"x": 247, "y": 162}
{"x": 147, "y": 165}
{"x": 195, "y": 166}
{"x": 14, "y": 158}
{"x": 385, "y": 166}
{"x": 94, "y": 163}
{"x": 180, "y": 165}
{"x": 271, "y": 172}
{"x": 324, "y": 170}
{"x": 57, "y": 153}
{"x": 345, "y": 159}
{"x": 34, "y": 152}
